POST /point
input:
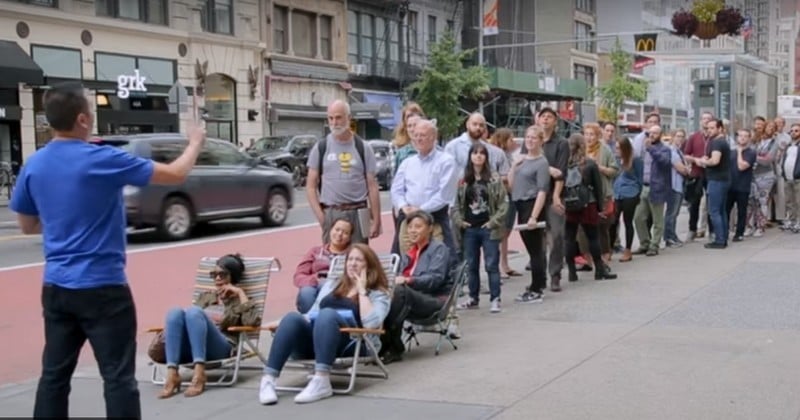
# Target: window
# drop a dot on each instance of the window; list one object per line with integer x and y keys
{"x": 226, "y": 154}
{"x": 431, "y": 29}
{"x": 304, "y": 34}
{"x": 451, "y": 26}
{"x": 413, "y": 29}
{"x": 45, "y": 3}
{"x": 150, "y": 11}
{"x": 583, "y": 30}
{"x": 206, "y": 157}
{"x": 58, "y": 62}
{"x": 394, "y": 40}
{"x": 352, "y": 37}
{"x": 166, "y": 152}
{"x": 381, "y": 42}
{"x": 279, "y": 22}
{"x": 367, "y": 38}
{"x": 585, "y": 73}
{"x": 325, "y": 35}
{"x": 108, "y": 67}
{"x": 217, "y": 16}
{"x": 585, "y": 5}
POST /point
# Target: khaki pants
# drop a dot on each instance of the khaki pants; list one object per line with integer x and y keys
{"x": 792, "y": 191}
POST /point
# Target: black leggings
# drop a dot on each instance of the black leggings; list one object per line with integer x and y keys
{"x": 570, "y": 238}
{"x": 535, "y": 244}
{"x": 627, "y": 208}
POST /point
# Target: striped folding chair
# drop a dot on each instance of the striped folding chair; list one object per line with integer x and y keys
{"x": 254, "y": 283}
{"x": 352, "y": 367}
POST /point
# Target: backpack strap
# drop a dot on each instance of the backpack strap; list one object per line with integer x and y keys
{"x": 322, "y": 146}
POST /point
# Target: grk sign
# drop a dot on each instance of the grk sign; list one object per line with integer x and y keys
{"x": 128, "y": 84}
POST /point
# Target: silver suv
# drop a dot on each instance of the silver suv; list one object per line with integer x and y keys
{"x": 224, "y": 184}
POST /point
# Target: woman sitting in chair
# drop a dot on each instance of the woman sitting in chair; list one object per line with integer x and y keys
{"x": 197, "y": 334}
{"x": 313, "y": 268}
{"x": 359, "y": 298}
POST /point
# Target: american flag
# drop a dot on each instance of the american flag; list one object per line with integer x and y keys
{"x": 747, "y": 27}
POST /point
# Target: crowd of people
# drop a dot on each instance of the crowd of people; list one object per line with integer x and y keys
{"x": 569, "y": 199}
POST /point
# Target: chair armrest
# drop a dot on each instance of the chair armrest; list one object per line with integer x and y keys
{"x": 243, "y": 328}
{"x": 154, "y": 330}
{"x": 348, "y": 330}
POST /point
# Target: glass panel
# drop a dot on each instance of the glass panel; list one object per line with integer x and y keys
{"x": 279, "y": 29}
{"x": 380, "y": 38}
{"x": 129, "y": 9}
{"x": 157, "y": 12}
{"x": 58, "y": 62}
{"x": 325, "y": 31}
{"x": 304, "y": 34}
{"x": 394, "y": 45}
{"x": 366, "y": 36}
{"x": 220, "y": 102}
{"x": 227, "y": 154}
{"x": 222, "y": 17}
{"x": 207, "y": 158}
{"x": 103, "y": 7}
{"x": 158, "y": 72}
{"x": 108, "y": 67}
{"x": 165, "y": 152}
{"x": 352, "y": 22}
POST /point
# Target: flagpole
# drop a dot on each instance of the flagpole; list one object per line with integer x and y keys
{"x": 480, "y": 44}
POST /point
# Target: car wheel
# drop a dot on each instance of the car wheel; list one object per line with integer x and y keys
{"x": 177, "y": 219}
{"x": 276, "y": 209}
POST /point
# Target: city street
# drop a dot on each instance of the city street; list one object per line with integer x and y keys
{"x": 690, "y": 334}
{"x": 17, "y": 249}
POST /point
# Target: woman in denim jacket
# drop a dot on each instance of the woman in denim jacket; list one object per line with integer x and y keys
{"x": 480, "y": 215}
{"x": 359, "y": 298}
{"x": 627, "y": 188}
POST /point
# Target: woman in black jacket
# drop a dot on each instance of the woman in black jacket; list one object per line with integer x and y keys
{"x": 583, "y": 198}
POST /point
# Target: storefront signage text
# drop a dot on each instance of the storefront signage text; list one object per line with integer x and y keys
{"x": 128, "y": 84}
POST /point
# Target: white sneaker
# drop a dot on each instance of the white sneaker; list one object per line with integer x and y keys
{"x": 749, "y": 232}
{"x": 495, "y": 308}
{"x": 758, "y": 233}
{"x": 317, "y": 389}
{"x": 266, "y": 392}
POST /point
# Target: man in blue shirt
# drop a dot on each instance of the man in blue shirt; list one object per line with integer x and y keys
{"x": 71, "y": 192}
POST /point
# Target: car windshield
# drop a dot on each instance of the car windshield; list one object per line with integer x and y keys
{"x": 269, "y": 144}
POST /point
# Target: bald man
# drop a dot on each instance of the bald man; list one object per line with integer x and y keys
{"x": 341, "y": 180}
{"x": 459, "y": 147}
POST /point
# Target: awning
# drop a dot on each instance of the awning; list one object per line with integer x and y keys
{"x": 392, "y": 100}
{"x": 18, "y": 67}
{"x": 371, "y": 111}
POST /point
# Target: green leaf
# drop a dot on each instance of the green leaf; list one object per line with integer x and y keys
{"x": 620, "y": 87}
{"x": 445, "y": 82}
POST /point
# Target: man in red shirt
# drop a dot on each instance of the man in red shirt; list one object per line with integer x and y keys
{"x": 695, "y": 149}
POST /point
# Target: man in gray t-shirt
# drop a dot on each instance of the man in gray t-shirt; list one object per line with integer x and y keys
{"x": 347, "y": 188}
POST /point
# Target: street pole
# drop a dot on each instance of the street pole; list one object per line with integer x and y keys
{"x": 480, "y": 45}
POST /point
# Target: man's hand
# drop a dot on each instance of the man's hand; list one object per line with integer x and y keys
{"x": 197, "y": 135}
{"x": 375, "y": 229}
{"x": 558, "y": 206}
{"x": 409, "y": 209}
{"x": 401, "y": 280}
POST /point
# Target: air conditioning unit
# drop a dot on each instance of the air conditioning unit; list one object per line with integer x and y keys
{"x": 358, "y": 69}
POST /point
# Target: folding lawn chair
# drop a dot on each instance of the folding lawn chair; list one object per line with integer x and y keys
{"x": 254, "y": 283}
{"x": 441, "y": 321}
{"x": 349, "y": 366}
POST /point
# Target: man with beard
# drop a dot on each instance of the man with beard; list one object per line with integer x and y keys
{"x": 657, "y": 187}
{"x": 717, "y": 163}
{"x": 459, "y": 147}
{"x": 695, "y": 148}
{"x": 341, "y": 179}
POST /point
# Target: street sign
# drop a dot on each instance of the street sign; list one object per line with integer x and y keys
{"x": 178, "y": 99}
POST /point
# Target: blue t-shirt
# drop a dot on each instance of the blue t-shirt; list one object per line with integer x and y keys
{"x": 75, "y": 188}
{"x": 741, "y": 180}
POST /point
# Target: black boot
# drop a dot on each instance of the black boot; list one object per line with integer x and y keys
{"x": 573, "y": 272}
{"x": 602, "y": 271}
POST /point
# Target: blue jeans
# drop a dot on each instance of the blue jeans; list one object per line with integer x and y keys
{"x": 306, "y": 298}
{"x": 674, "y": 202}
{"x": 717, "y": 200}
{"x": 189, "y": 336}
{"x": 475, "y": 239}
{"x": 297, "y": 337}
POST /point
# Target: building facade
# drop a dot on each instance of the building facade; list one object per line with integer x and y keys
{"x": 307, "y": 62}
{"x": 129, "y": 55}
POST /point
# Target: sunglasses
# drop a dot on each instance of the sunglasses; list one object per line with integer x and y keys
{"x": 221, "y": 273}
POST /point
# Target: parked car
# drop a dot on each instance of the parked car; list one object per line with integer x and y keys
{"x": 383, "y": 159}
{"x": 289, "y": 153}
{"x": 225, "y": 183}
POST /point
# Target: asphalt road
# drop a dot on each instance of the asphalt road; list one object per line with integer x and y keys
{"x": 17, "y": 249}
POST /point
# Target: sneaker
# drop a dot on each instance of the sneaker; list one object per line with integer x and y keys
{"x": 738, "y": 238}
{"x": 266, "y": 392}
{"x": 674, "y": 244}
{"x": 749, "y": 232}
{"x": 495, "y": 306}
{"x": 758, "y": 233}
{"x": 468, "y": 304}
{"x": 691, "y": 236}
{"x": 530, "y": 297}
{"x": 785, "y": 226}
{"x": 453, "y": 330}
{"x": 317, "y": 389}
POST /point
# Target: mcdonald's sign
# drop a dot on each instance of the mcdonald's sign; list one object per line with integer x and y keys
{"x": 645, "y": 42}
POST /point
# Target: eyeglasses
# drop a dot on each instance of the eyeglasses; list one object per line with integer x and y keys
{"x": 221, "y": 273}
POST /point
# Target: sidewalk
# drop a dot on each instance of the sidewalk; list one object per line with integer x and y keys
{"x": 689, "y": 334}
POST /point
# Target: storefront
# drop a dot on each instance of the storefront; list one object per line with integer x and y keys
{"x": 16, "y": 68}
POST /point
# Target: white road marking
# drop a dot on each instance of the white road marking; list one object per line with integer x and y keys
{"x": 192, "y": 242}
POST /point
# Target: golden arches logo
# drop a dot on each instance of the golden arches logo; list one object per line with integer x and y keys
{"x": 645, "y": 42}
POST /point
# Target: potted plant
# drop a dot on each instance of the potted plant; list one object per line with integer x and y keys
{"x": 706, "y": 13}
{"x": 684, "y": 23}
{"x": 729, "y": 21}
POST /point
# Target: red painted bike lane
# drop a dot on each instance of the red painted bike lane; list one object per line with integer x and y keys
{"x": 160, "y": 279}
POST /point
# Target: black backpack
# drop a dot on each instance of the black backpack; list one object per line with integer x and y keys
{"x": 576, "y": 194}
{"x": 322, "y": 146}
